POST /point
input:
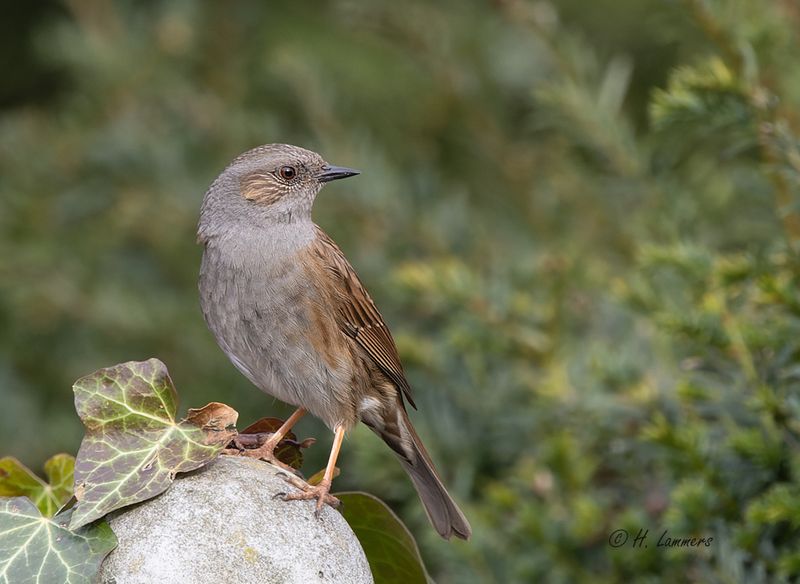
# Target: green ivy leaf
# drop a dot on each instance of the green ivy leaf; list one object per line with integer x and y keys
{"x": 133, "y": 446}
{"x": 390, "y": 549}
{"x": 38, "y": 549}
{"x": 17, "y": 480}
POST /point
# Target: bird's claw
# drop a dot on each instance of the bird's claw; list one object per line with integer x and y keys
{"x": 320, "y": 492}
{"x": 266, "y": 453}
{"x": 294, "y": 480}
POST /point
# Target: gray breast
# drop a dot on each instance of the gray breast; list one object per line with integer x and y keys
{"x": 257, "y": 309}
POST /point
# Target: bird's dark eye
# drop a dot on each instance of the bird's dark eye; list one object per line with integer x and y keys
{"x": 287, "y": 172}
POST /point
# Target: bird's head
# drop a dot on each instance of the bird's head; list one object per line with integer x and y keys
{"x": 276, "y": 182}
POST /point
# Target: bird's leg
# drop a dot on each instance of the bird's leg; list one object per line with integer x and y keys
{"x": 320, "y": 492}
{"x": 267, "y": 450}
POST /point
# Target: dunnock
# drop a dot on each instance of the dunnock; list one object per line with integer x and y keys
{"x": 288, "y": 309}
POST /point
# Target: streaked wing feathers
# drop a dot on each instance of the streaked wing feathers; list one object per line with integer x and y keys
{"x": 357, "y": 315}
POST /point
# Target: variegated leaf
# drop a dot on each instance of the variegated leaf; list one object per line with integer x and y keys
{"x": 133, "y": 446}
{"x": 16, "y": 480}
{"x": 36, "y": 549}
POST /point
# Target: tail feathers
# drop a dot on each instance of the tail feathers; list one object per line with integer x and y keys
{"x": 444, "y": 514}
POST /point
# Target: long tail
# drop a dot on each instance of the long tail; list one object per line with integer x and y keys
{"x": 444, "y": 514}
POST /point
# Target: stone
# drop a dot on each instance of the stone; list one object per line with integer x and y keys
{"x": 222, "y": 523}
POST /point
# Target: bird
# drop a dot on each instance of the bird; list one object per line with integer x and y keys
{"x": 287, "y": 308}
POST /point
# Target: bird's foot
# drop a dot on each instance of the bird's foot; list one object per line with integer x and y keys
{"x": 265, "y": 452}
{"x": 320, "y": 492}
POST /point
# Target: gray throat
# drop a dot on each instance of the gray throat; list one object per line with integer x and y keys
{"x": 252, "y": 247}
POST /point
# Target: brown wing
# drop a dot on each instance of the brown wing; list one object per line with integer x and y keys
{"x": 357, "y": 315}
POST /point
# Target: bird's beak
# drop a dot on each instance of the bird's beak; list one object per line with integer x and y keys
{"x": 330, "y": 173}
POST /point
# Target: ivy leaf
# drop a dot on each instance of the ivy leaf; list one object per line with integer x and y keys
{"x": 133, "y": 446}
{"x": 389, "y": 546}
{"x": 17, "y": 480}
{"x": 60, "y": 472}
{"x": 38, "y": 549}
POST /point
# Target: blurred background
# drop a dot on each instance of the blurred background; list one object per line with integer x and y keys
{"x": 581, "y": 221}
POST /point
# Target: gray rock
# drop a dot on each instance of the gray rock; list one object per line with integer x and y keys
{"x": 221, "y": 524}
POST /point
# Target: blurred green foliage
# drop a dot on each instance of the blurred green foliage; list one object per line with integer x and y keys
{"x": 581, "y": 220}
